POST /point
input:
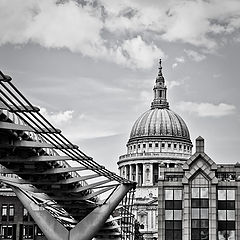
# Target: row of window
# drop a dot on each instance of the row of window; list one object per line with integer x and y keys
{"x": 8, "y": 213}
{"x": 163, "y": 145}
{"x": 26, "y": 231}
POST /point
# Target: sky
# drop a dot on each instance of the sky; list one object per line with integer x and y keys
{"x": 90, "y": 65}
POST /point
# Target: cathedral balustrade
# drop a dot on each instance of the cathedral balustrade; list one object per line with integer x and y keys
{"x": 153, "y": 155}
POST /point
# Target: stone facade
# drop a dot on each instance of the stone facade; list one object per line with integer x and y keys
{"x": 201, "y": 204}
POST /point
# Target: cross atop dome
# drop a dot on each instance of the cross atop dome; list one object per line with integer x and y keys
{"x": 160, "y": 91}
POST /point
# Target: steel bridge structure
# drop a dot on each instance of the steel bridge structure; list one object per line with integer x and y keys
{"x": 68, "y": 194}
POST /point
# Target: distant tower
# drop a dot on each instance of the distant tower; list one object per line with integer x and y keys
{"x": 159, "y": 138}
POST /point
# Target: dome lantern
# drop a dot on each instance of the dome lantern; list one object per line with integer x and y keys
{"x": 160, "y": 91}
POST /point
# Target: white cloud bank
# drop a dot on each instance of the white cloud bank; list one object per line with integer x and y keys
{"x": 207, "y": 109}
{"x": 57, "y": 119}
{"x": 197, "y": 57}
{"x": 125, "y": 32}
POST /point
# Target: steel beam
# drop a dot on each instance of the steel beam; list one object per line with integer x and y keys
{"x": 13, "y": 126}
{"x": 92, "y": 223}
{"x": 50, "y": 227}
{"x": 35, "y": 159}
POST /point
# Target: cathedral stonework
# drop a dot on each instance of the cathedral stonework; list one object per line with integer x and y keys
{"x": 179, "y": 195}
{"x": 159, "y": 139}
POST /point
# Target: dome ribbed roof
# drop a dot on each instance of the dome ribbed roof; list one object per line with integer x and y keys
{"x": 160, "y": 123}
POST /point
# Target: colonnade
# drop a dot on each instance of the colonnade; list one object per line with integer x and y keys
{"x": 145, "y": 174}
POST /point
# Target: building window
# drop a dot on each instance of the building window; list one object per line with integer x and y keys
{"x": 7, "y": 231}
{"x": 175, "y": 145}
{"x": 156, "y": 145}
{"x": 4, "y": 212}
{"x": 144, "y": 145}
{"x": 173, "y": 214}
{"x": 200, "y": 208}
{"x": 38, "y": 231}
{"x": 27, "y": 231}
{"x": 8, "y": 212}
{"x": 226, "y": 176}
{"x": 11, "y": 212}
{"x": 163, "y": 145}
{"x": 134, "y": 146}
{"x": 169, "y": 145}
{"x": 150, "y": 145}
{"x": 180, "y": 146}
{"x": 226, "y": 214}
{"x": 139, "y": 145}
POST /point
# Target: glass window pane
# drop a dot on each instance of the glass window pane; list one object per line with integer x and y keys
{"x": 230, "y": 225}
{"x": 222, "y": 225}
{"x": 168, "y": 194}
{"x": 169, "y": 214}
{"x": 177, "y": 204}
{"x": 222, "y": 194}
{"x": 195, "y": 203}
{"x": 177, "y": 224}
{"x": 4, "y": 210}
{"x": 222, "y": 215}
{"x": 11, "y": 210}
{"x": 195, "y": 223}
{"x": 195, "y": 213}
{"x": 195, "y": 234}
{"x": 169, "y": 204}
{"x": 222, "y": 205}
{"x": 222, "y": 235}
{"x": 230, "y": 215}
{"x": 204, "y": 213}
{"x": 229, "y": 235}
{"x": 177, "y": 214}
{"x": 204, "y": 203}
{"x": 204, "y": 192}
{"x": 230, "y": 205}
{"x": 169, "y": 235}
{"x": 230, "y": 194}
{"x": 177, "y": 194}
{"x": 195, "y": 193}
{"x": 204, "y": 224}
{"x": 177, "y": 235}
{"x": 169, "y": 224}
{"x": 204, "y": 234}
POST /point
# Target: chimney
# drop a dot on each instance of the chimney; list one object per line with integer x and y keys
{"x": 199, "y": 145}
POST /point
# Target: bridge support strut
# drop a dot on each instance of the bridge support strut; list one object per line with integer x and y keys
{"x": 85, "y": 229}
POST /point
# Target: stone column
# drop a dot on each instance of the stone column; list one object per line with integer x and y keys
{"x": 151, "y": 174}
{"x": 161, "y": 212}
{"x": 186, "y": 233}
{"x": 124, "y": 169}
{"x": 136, "y": 173}
{"x": 144, "y": 175}
{"x": 130, "y": 171}
{"x": 213, "y": 213}
{"x": 237, "y": 202}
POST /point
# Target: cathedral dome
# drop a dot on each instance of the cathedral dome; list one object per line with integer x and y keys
{"x": 160, "y": 123}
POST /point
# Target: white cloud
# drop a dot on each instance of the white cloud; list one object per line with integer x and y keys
{"x": 195, "y": 55}
{"x": 178, "y": 60}
{"x": 171, "y": 84}
{"x": 124, "y": 32}
{"x": 57, "y": 119}
{"x": 207, "y": 109}
{"x": 139, "y": 53}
